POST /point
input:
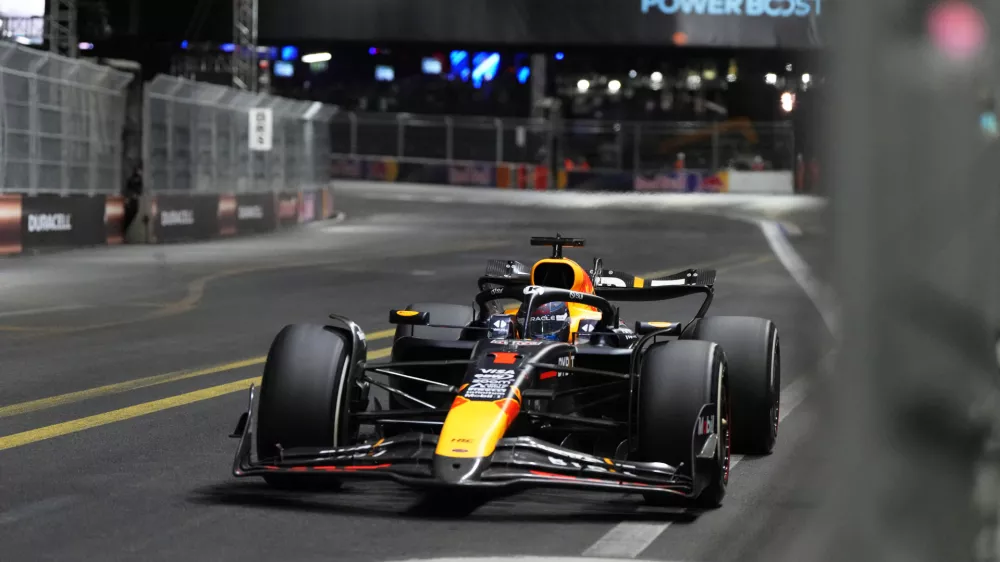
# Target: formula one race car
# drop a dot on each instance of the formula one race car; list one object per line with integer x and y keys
{"x": 539, "y": 384}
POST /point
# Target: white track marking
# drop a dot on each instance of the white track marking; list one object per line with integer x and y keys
{"x": 516, "y": 559}
{"x": 628, "y": 540}
{"x": 799, "y": 271}
{"x": 34, "y": 311}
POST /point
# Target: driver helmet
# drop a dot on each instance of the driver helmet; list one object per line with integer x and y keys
{"x": 550, "y": 321}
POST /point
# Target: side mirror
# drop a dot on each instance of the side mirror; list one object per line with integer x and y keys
{"x": 668, "y": 328}
{"x": 409, "y": 317}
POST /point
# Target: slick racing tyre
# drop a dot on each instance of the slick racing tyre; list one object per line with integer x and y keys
{"x": 304, "y": 394}
{"x": 676, "y": 380}
{"x": 754, "y": 358}
{"x": 441, "y": 314}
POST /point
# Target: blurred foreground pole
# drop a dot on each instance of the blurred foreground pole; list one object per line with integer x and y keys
{"x": 915, "y": 204}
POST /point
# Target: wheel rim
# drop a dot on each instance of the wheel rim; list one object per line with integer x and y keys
{"x": 725, "y": 414}
{"x": 775, "y": 390}
{"x": 727, "y": 442}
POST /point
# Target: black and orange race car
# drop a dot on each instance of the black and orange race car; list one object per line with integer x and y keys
{"x": 540, "y": 383}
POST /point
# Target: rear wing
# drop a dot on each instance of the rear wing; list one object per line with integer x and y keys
{"x": 620, "y": 287}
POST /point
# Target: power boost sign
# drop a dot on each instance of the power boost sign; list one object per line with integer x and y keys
{"x": 751, "y": 8}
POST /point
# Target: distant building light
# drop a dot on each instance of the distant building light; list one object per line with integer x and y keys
{"x": 228, "y": 47}
{"x": 730, "y": 78}
{"x": 372, "y": 51}
{"x": 771, "y": 78}
{"x": 583, "y": 85}
{"x": 656, "y": 76}
{"x": 806, "y": 78}
{"x": 184, "y": 44}
{"x": 632, "y": 74}
{"x": 614, "y": 86}
{"x": 523, "y": 74}
{"x": 289, "y": 53}
{"x": 560, "y": 56}
{"x": 84, "y": 46}
{"x": 22, "y": 40}
{"x": 316, "y": 57}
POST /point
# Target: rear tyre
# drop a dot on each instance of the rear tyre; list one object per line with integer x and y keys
{"x": 676, "y": 380}
{"x": 439, "y": 313}
{"x": 304, "y": 395}
{"x": 753, "y": 355}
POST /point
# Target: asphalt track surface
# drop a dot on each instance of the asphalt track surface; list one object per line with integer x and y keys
{"x": 122, "y": 371}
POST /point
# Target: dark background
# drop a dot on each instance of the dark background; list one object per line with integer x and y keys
{"x": 522, "y": 22}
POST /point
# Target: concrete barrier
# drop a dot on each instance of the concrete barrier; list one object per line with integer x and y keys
{"x": 762, "y": 183}
{"x": 30, "y": 223}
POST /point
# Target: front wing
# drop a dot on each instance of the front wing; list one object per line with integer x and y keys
{"x": 518, "y": 462}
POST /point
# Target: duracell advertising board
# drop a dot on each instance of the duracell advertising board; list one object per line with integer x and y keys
{"x": 54, "y": 221}
{"x": 255, "y": 213}
{"x": 179, "y": 218}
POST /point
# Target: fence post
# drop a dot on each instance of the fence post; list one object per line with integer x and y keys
{"x": 715, "y": 146}
{"x": 400, "y": 135}
{"x": 449, "y": 138}
{"x": 620, "y": 141}
{"x": 353, "y": 118}
{"x": 636, "y": 162}
{"x": 34, "y": 125}
{"x": 498, "y": 123}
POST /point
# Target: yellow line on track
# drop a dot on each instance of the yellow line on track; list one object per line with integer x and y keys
{"x": 74, "y": 426}
{"x": 65, "y": 428}
{"x": 145, "y": 382}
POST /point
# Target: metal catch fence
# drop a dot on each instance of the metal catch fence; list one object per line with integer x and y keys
{"x": 601, "y": 144}
{"x": 61, "y": 123}
{"x": 196, "y": 139}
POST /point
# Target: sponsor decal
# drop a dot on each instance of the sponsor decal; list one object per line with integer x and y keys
{"x": 179, "y": 217}
{"x": 550, "y": 317}
{"x": 348, "y": 169}
{"x": 307, "y": 206}
{"x": 573, "y": 295}
{"x": 470, "y": 175}
{"x": 490, "y": 384}
{"x": 747, "y": 8}
{"x": 534, "y": 290}
{"x": 288, "y": 208}
{"x": 51, "y": 222}
{"x": 518, "y": 343}
{"x": 682, "y": 182}
{"x": 706, "y": 425}
{"x": 249, "y": 212}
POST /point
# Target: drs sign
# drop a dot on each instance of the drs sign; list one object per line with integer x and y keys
{"x": 261, "y": 129}
{"x": 752, "y": 8}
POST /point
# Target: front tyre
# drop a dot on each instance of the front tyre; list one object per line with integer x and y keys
{"x": 305, "y": 394}
{"x": 753, "y": 354}
{"x": 676, "y": 380}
